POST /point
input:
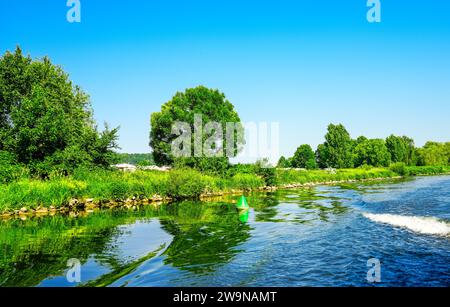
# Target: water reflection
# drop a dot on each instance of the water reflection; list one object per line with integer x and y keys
{"x": 204, "y": 236}
{"x": 310, "y": 205}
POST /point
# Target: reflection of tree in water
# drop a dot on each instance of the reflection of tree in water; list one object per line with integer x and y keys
{"x": 320, "y": 204}
{"x": 31, "y": 252}
{"x": 265, "y": 207}
{"x": 205, "y": 236}
{"x": 38, "y": 248}
{"x": 313, "y": 204}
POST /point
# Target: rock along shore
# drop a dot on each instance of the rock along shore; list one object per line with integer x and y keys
{"x": 83, "y": 207}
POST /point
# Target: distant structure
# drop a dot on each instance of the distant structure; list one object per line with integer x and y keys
{"x": 155, "y": 168}
{"x": 125, "y": 167}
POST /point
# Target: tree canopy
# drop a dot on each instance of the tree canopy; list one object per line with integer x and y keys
{"x": 434, "y": 153}
{"x": 212, "y": 106}
{"x": 401, "y": 149}
{"x": 371, "y": 152}
{"x": 304, "y": 157}
{"x": 283, "y": 162}
{"x": 46, "y": 122}
{"x": 338, "y": 146}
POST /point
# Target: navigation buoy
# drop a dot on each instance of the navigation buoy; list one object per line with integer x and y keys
{"x": 242, "y": 204}
{"x": 243, "y": 216}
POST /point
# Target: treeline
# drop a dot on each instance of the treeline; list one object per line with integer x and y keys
{"x": 140, "y": 159}
{"x": 341, "y": 151}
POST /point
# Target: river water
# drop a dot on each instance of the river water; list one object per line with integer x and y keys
{"x": 321, "y": 236}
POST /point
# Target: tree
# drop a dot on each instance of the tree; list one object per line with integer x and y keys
{"x": 322, "y": 156}
{"x": 140, "y": 159}
{"x": 371, "y": 152}
{"x": 45, "y": 121}
{"x": 401, "y": 149}
{"x": 360, "y": 140}
{"x": 212, "y": 106}
{"x": 434, "y": 154}
{"x": 339, "y": 147}
{"x": 397, "y": 148}
{"x": 447, "y": 150}
{"x": 411, "y": 151}
{"x": 283, "y": 162}
{"x": 304, "y": 158}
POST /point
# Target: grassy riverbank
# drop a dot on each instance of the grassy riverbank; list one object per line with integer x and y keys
{"x": 103, "y": 186}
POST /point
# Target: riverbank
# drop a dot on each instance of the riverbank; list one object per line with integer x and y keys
{"x": 86, "y": 191}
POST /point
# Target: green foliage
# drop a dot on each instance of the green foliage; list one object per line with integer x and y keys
{"x": 338, "y": 147}
{"x": 10, "y": 170}
{"x": 302, "y": 177}
{"x": 266, "y": 172}
{"x": 304, "y": 157}
{"x": 141, "y": 159}
{"x": 214, "y": 166}
{"x": 322, "y": 156}
{"x": 284, "y": 163}
{"x": 247, "y": 181}
{"x": 46, "y": 121}
{"x": 240, "y": 168}
{"x": 428, "y": 170}
{"x": 186, "y": 183}
{"x": 212, "y": 106}
{"x": 434, "y": 154}
{"x": 399, "y": 168}
{"x": 371, "y": 152}
{"x": 103, "y": 185}
{"x": 401, "y": 149}
{"x": 360, "y": 140}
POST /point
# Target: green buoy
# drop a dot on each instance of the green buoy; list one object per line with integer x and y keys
{"x": 242, "y": 204}
{"x": 243, "y": 216}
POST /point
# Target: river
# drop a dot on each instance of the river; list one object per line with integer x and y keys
{"x": 321, "y": 236}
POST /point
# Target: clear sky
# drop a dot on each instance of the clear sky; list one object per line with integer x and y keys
{"x": 303, "y": 64}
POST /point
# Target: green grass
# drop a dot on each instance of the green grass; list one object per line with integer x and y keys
{"x": 107, "y": 185}
{"x": 315, "y": 176}
{"x": 427, "y": 170}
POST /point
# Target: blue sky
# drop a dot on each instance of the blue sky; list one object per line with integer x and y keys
{"x": 303, "y": 64}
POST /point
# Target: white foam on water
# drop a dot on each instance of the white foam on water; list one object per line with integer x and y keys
{"x": 425, "y": 225}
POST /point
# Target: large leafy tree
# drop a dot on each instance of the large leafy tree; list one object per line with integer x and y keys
{"x": 304, "y": 157}
{"x": 212, "y": 106}
{"x": 401, "y": 149}
{"x": 397, "y": 148}
{"x": 338, "y": 147}
{"x": 46, "y": 122}
{"x": 372, "y": 152}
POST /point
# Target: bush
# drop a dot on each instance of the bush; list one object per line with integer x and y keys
{"x": 263, "y": 169}
{"x": 427, "y": 170}
{"x": 186, "y": 183}
{"x": 247, "y": 181}
{"x": 399, "y": 168}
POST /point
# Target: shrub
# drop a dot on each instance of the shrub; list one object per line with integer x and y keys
{"x": 263, "y": 169}
{"x": 186, "y": 183}
{"x": 399, "y": 168}
{"x": 247, "y": 181}
{"x": 427, "y": 170}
